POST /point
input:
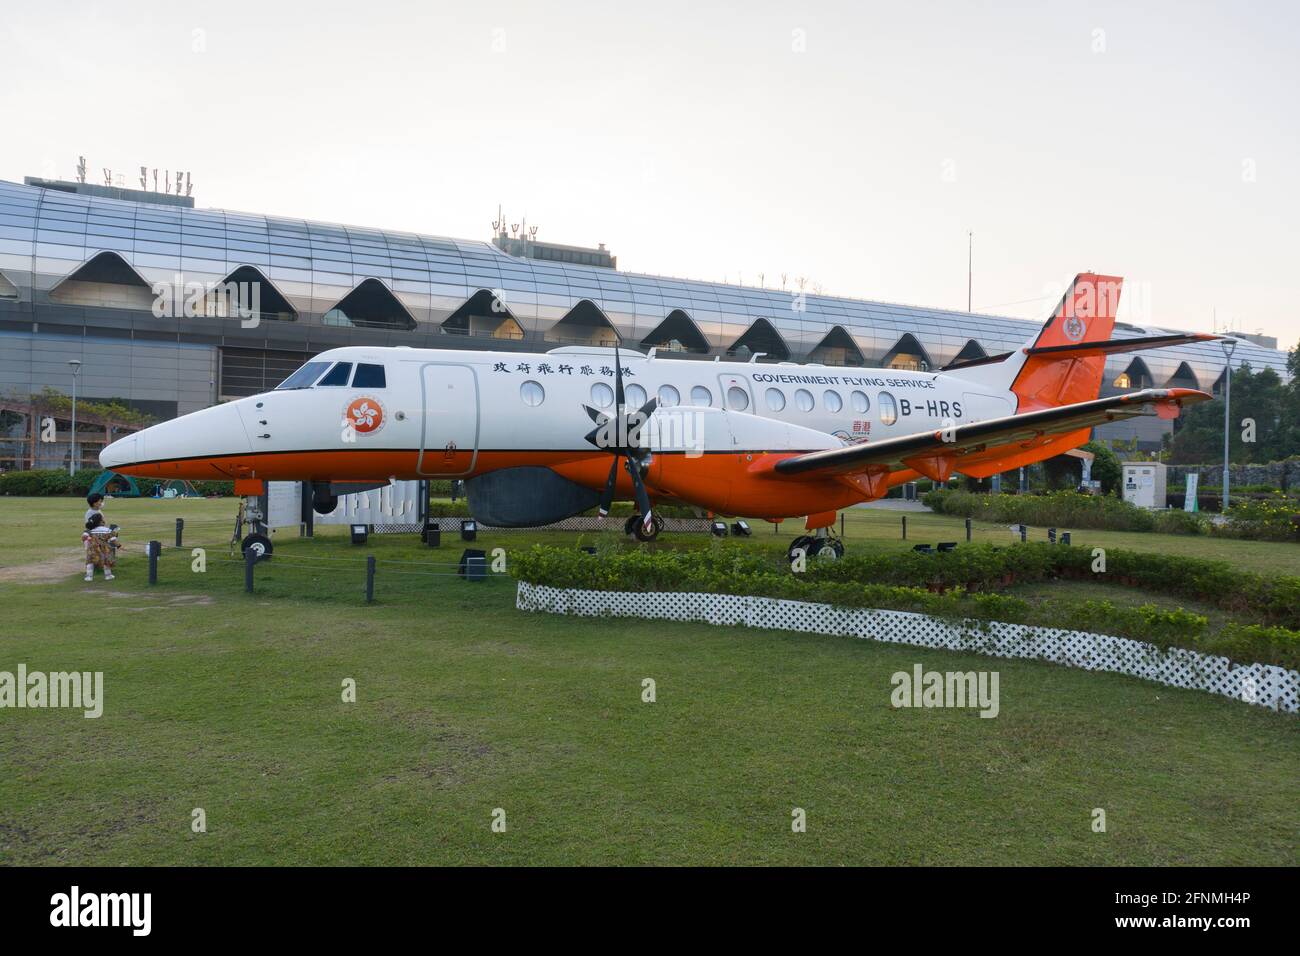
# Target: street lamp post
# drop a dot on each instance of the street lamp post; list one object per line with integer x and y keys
{"x": 1229, "y": 345}
{"x": 72, "y": 442}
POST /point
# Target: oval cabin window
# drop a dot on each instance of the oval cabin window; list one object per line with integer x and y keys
{"x": 888, "y": 409}
{"x": 532, "y": 393}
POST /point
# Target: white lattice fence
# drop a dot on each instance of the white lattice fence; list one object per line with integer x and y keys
{"x": 1260, "y": 684}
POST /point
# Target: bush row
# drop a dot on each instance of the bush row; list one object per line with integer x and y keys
{"x": 1064, "y": 509}
{"x": 55, "y": 481}
{"x": 1276, "y": 518}
{"x": 956, "y": 586}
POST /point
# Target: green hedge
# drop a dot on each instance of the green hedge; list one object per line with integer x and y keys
{"x": 961, "y": 585}
{"x": 1062, "y": 509}
{"x": 56, "y": 481}
{"x": 47, "y": 481}
{"x": 1275, "y": 518}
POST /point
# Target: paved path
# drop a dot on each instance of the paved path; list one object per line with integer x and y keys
{"x": 893, "y": 504}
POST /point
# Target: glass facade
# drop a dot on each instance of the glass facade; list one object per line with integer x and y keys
{"x": 324, "y": 285}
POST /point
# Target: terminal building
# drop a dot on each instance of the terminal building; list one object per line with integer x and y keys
{"x": 78, "y": 264}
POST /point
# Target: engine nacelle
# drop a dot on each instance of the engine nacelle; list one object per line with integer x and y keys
{"x": 526, "y": 497}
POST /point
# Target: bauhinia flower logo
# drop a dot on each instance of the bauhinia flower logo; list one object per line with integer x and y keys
{"x": 1074, "y": 328}
{"x": 365, "y": 415}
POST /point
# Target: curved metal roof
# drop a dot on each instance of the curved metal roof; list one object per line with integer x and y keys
{"x": 47, "y": 234}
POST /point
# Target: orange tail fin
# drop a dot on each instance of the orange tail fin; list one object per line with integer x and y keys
{"x": 1086, "y": 314}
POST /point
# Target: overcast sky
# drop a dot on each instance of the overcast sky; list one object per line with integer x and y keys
{"x": 851, "y": 143}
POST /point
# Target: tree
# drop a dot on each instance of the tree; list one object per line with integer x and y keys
{"x": 1258, "y": 397}
{"x": 1105, "y": 466}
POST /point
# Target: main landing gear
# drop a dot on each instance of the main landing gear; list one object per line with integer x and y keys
{"x": 820, "y": 546}
{"x": 634, "y": 526}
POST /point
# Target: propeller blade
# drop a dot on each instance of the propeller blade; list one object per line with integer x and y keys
{"x": 607, "y": 497}
{"x": 618, "y": 383}
{"x": 634, "y": 432}
{"x": 638, "y": 487}
{"x": 594, "y": 414}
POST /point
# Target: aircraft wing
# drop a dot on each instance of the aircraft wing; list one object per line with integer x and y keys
{"x": 937, "y": 453}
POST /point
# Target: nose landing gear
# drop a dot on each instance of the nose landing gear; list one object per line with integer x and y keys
{"x": 257, "y": 541}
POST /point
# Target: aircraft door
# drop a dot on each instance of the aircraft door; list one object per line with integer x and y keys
{"x": 736, "y": 393}
{"x": 449, "y": 439}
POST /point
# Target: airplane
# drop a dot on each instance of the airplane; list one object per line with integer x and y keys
{"x": 758, "y": 440}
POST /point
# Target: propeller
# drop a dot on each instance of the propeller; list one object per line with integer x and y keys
{"x": 621, "y": 436}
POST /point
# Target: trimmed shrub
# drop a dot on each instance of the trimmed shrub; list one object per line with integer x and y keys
{"x": 1062, "y": 509}
{"x": 956, "y": 586}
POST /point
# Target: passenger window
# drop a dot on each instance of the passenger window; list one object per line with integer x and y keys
{"x": 369, "y": 376}
{"x": 338, "y": 375}
{"x": 832, "y": 401}
{"x": 888, "y": 408}
{"x": 775, "y": 399}
{"x": 668, "y": 396}
{"x": 860, "y": 402}
{"x": 701, "y": 396}
{"x": 532, "y": 393}
{"x": 803, "y": 399}
{"x": 738, "y": 398}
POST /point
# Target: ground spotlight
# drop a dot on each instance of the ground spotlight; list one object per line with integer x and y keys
{"x": 473, "y": 564}
{"x": 360, "y": 533}
{"x": 468, "y": 530}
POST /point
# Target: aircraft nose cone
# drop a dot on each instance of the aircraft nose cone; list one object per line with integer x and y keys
{"x": 124, "y": 451}
{"x": 182, "y": 447}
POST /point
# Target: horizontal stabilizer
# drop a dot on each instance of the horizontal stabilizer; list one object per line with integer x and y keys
{"x": 1084, "y": 349}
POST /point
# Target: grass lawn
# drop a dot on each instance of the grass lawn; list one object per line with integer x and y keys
{"x": 219, "y": 700}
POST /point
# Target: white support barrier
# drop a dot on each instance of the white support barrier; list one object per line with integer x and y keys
{"x": 395, "y": 503}
{"x": 394, "y": 507}
{"x": 1264, "y": 685}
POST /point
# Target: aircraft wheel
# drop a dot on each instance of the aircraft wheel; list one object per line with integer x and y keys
{"x": 802, "y": 543}
{"x": 639, "y": 529}
{"x": 259, "y": 544}
{"x": 629, "y": 526}
{"x": 827, "y": 549}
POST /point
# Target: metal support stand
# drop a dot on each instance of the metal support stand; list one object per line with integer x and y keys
{"x": 307, "y": 516}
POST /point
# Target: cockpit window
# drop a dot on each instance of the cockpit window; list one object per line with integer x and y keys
{"x": 305, "y": 375}
{"x": 338, "y": 375}
{"x": 369, "y": 376}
